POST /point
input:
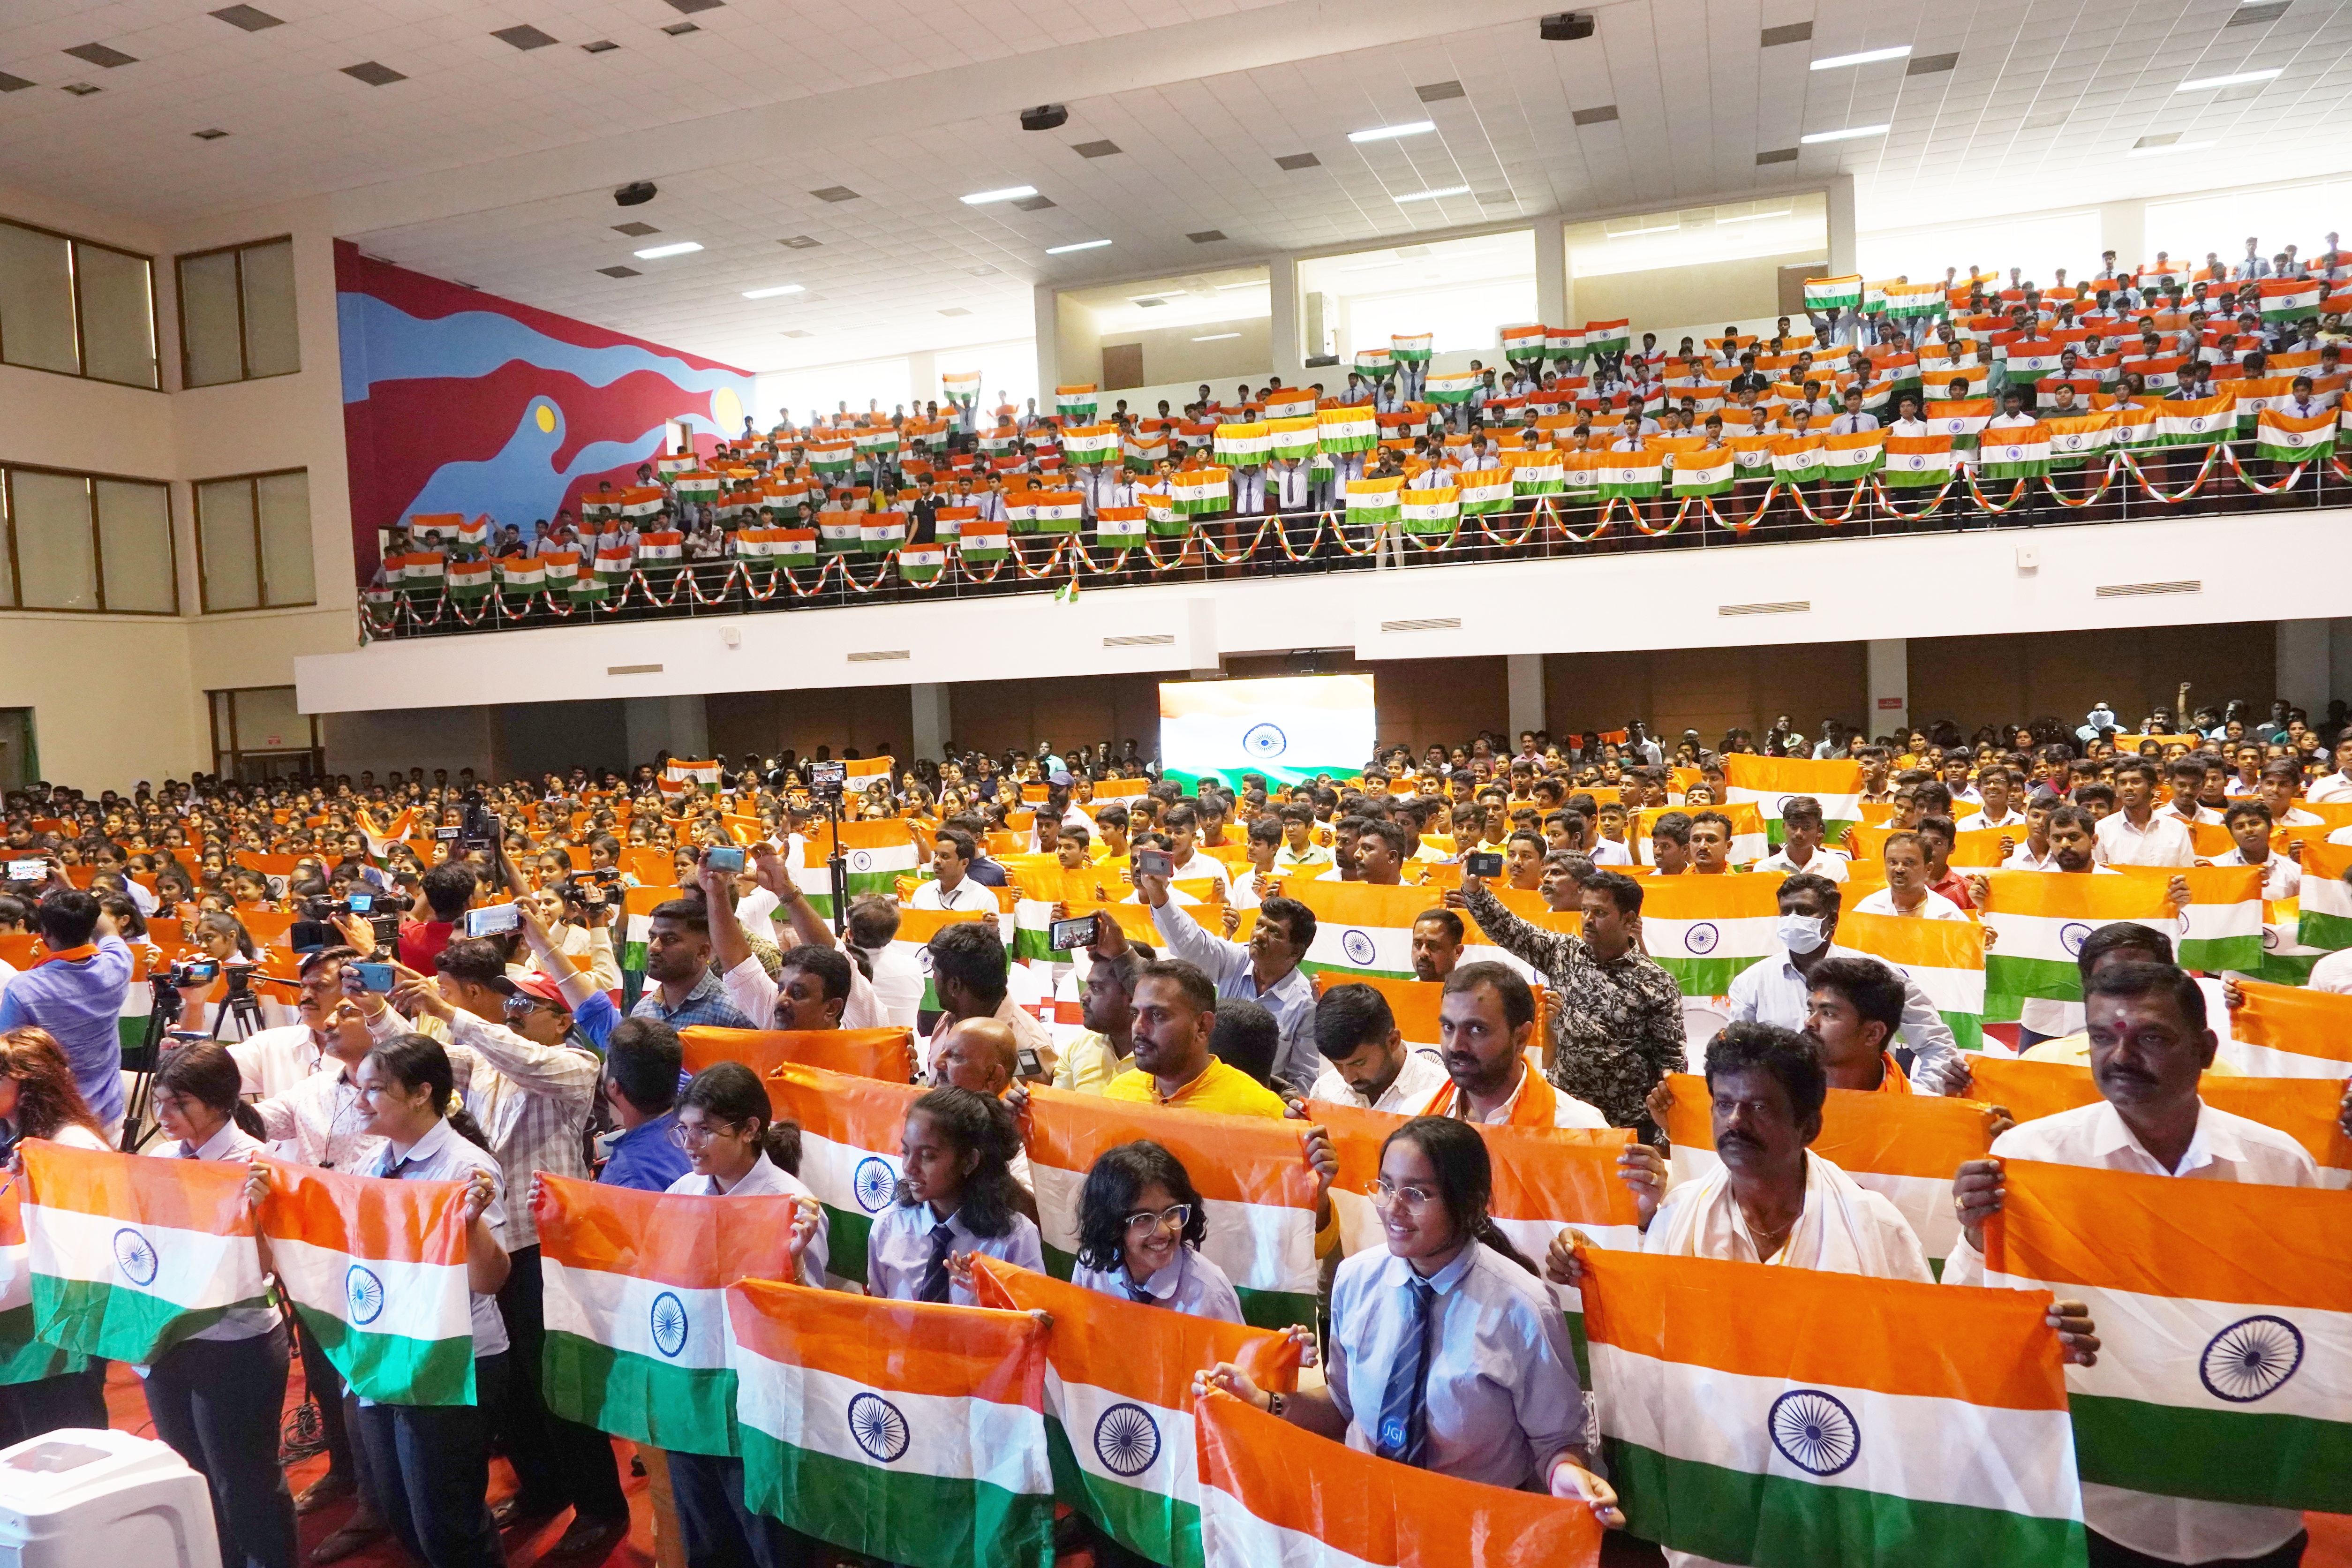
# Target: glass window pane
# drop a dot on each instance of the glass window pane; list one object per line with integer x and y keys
{"x": 135, "y": 542}
{"x": 117, "y": 316}
{"x": 37, "y": 327}
{"x": 285, "y": 539}
{"x": 225, "y": 524}
{"x": 208, "y": 318}
{"x": 270, "y": 344}
{"x": 54, "y": 548}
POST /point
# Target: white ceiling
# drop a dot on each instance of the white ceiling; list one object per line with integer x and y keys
{"x": 499, "y": 162}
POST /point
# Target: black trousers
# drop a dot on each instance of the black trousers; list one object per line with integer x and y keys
{"x": 218, "y": 1403}
{"x": 326, "y": 1389}
{"x": 2106, "y": 1553}
{"x": 72, "y": 1399}
{"x": 430, "y": 1467}
{"x": 720, "y": 1530}
{"x": 556, "y": 1462}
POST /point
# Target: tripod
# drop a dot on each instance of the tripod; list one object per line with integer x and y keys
{"x": 242, "y": 1006}
{"x": 160, "y": 1017}
{"x": 837, "y": 864}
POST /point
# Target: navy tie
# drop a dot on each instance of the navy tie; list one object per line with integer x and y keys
{"x": 1403, "y": 1433}
{"x": 935, "y": 1275}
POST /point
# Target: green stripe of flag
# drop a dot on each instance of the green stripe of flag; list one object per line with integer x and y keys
{"x": 1779, "y": 1521}
{"x": 687, "y": 1408}
{"x": 1161, "y": 1528}
{"x": 1705, "y": 977}
{"x": 395, "y": 1368}
{"x": 2051, "y": 979}
{"x": 2287, "y": 969}
{"x": 924, "y": 1522}
{"x": 1968, "y": 1029}
{"x": 1354, "y": 972}
{"x": 846, "y": 1233}
{"x": 2275, "y": 1461}
{"x": 116, "y": 1324}
{"x": 2318, "y": 928}
{"x": 2214, "y": 954}
{"x": 23, "y": 1358}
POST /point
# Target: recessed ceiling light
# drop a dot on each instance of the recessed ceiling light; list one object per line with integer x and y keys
{"x": 1216, "y": 337}
{"x": 104, "y": 55}
{"x": 1439, "y": 194}
{"x": 1390, "y": 132}
{"x": 635, "y": 230}
{"x": 2171, "y": 147}
{"x": 1082, "y": 245}
{"x": 1009, "y": 194}
{"x": 83, "y": 89}
{"x": 215, "y": 135}
{"x": 771, "y": 293}
{"x": 655, "y": 252}
{"x": 251, "y": 18}
{"x": 2237, "y": 79}
{"x": 525, "y": 36}
{"x": 1850, "y": 133}
{"x": 1438, "y": 92}
{"x": 1868, "y": 56}
{"x": 600, "y": 46}
{"x": 1298, "y": 161}
{"x": 375, "y": 73}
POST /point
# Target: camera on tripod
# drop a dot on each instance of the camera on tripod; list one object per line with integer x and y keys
{"x": 828, "y": 779}
{"x": 190, "y": 972}
{"x": 478, "y": 828}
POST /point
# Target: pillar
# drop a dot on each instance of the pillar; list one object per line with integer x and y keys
{"x": 1841, "y": 225}
{"x": 934, "y": 726}
{"x": 678, "y": 725}
{"x": 1552, "y": 302}
{"x": 1283, "y": 348}
{"x": 1045, "y": 305}
{"x": 1526, "y": 675}
{"x": 1889, "y": 680}
{"x": 2305, "y": 655}
{"x": 2123, "y": 228}
{"x": 2339, "y": 675}
{"x": 923, "y": 380}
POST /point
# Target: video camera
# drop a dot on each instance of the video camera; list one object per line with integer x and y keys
{"x": 477, "y": 826}
{"x": 192, "y": 972}
{"x": 828, "y": 780}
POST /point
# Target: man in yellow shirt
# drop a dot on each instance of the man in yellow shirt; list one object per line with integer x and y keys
{"x": 1106, "y": 1049}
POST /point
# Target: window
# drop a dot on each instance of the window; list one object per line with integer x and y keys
{"x": 236, "y": 314}
{"x": 258, "y": 734}
{"x": 76, "y": 307}
{"x": 87, "y": 541}
{"x": 2037, "y": 243}
{"x": 253, "y": 541}
{"x": 1460, "y": 291}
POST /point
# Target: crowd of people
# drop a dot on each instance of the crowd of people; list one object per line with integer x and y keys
{"x": 462, "y": 1000}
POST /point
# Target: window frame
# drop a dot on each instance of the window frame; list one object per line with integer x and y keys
{"x": 90, "y": 482}
{"x": 244, "y": 342}
{"x": 252, "y": 482}
{"x": 81, "y": 348}
{"x": 229, "y": 761}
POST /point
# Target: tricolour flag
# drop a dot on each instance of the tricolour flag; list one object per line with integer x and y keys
{"x": 2326, "y": 920}
{"x": 24, "y": 1358}
{"x": 1946, "y": 959}
{"x": 1539, "y": 472}
{"x": 1769, "y": 781}
{"x": 1916, "y": 460}
{"x": 1523, "y": 344}
{"x": 2221, "y": 1315}
{"x": 907, "y": 1431}
{"x": 1197, "y": 492}
{"x": 2198, "y": 422}
{"x": 1630, "y": 475}
{"x": 961, "y": 385}
{"x": 1605, "y": 337}
{"x": 1430, "y": 512}
{"x": 1374, "y": 500}
{"x": 1375, "y": 363}
{"x": 1364, "y": 932}
{"x": 922, "y": 562}
{"x": 1801, "y": 459}
{"x": 1119, "y": 1404}
{"x": 1255, "y": 1185}
{"x": 1290, "y": 402}
{"x": 1075, "y": 404}
{"x": 1905, "y": 1147}
{"x": 2283, "y": 439}
{"x": 376, "y": 1270}
{"x": 1351, "y": 429}
{"x": 525, "y": 574}
{"x": 474, "y": 535}
{"x": 1451, "y": 386}
{"x": 636, "y": 1306}
{"x": 2038, "y": 920}
{"x": 2307, "y": 1110}
{"x": 2287, "y": 1031}
{"x": 1296, "y": 438}
{"x": 1479, "y": 491}
{"x": 1248, "y": 444}
{"x": 1410, "y": 347}
{"x": 850, "y": 1133}
{"x": 702, "y": 776}
{"x": 1707, "y": 473}
{"x": 1773, "y": 1416}
{"x": 1834, "y": 293}
{"x": 2223, "y": 926}
{"x": 1091, "y": 443}
{"x": 1271, "y": 1495}
{"x": 436, "y": 527}
{"x": 2290, "y": 298}
{"x": 1907, "y": 300}
{"x": 1703, "y": 931}
{"x": 130, "y": 1255}
{"x": 1853, "y": 458}
{"x": 874, "y": 854}
{"x": 983, "y": 541}
{"x": 469, "y": 580}
{"x": 2018, "y": 452}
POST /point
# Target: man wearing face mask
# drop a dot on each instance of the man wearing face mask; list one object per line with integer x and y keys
{"x": 1776, "y": 993}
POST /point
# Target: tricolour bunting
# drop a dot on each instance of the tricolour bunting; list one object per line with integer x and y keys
{"x": 1905, "y": 1147}
{"x": 1769, "y": 781}
{"x": 2307, "y": 1110}
{"x": 1946, "y": 959}
{"x": 907, "y": 1431}
{"x": 1703, "y": 931}
{"x": 1118, "y": 1402}
{"x": 636, "y": 1306}
{"x": 887, "y": 1053}
{"x": 1271, "y": 1495}
{"x": 2287, "y": 1032}
{"x": 376, "y": 1270}
{"x": 130, "y": 1255}
{"x": 24, "y": 1357}
{"x": 2038, "y": 920}
{"x": 1793, "y": 1418}
{"x": 851, "y": 1128}
{"x": 1251, "y": 1171}
{"x": 2224, "y": 1312}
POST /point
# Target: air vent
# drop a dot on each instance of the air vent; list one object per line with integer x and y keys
{"x": 1439, "y": 91}
{"x": 1298, "y": 161}
{"x": 1794, "y": 33}
{"x": 835, "y": 193}
{"x": 881, "y": 656}
{"x": 1142, "y": 639}
{"x": 523, "y": 38}
{"x": 1777, "y": 608}
{"x": 250, "y": 19}
{"x": 2141, "y": 590}
{"x": 2248, "y": 16}
{"x": 1930, "y": 65}
{"x": 102, "y": 55}
{"x": 1096, "y": 149}
{"x": 635, "y": 230}
{"x": 691, "y": 6}
{"x": 800, "y": 242}
{"x": 375, "y": 73}
{"x": 632, "y": 669}
{"x": 600, "y": 46}
{"x": 620, "y": 272}
{"x": 1777, "y": 156}
{"x": 1206, "y": 235}
{"x": 1033, "y": 204}
{"x": 1601, "y": 116}
{"x": 1435, "y": 623}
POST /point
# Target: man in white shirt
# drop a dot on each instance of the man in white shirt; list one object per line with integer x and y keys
{"x": 2335, "y": 787}
{"x": 2149, "y": 1043}
{"x": 952, "y": 852}
{"x": 1907, "y": 891}
{"x": 2134, "y": 833}
{"x": 1365, "y": 1059}
{"x": 1801, "y": 849}
{"x": 274, "y": 1060}
{"x": 2186, "y": 778}
{"x": 2248, "y": 822}
{"x": 1996, "y": 789}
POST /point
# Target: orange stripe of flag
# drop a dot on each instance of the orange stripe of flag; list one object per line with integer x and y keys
{"x": 2306, "y": 1109}
{"x": 2159, "y": 1236}
{"x": 862, "y": 1112}
{"x": 1143, "y": 1352}
{"x": 413, "y": 1222}
{"x": 184, "y": 1194}
{"x": 886, "y": 1054}
{"x": 1884, "y": 1135}
{"x": 1810, "y": 1327}
{"x": 2289, "y": 1019}
{"x": 1565, "y": 1174}
{"x": 694, "y": 1243}
{"x": 12, "y": 1213}
{"x": 1233, "y": 1159}
{"x": 913, "y": 1347}
{"x": 2081, "y": 895}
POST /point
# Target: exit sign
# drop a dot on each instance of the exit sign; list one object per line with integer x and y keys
{"x": 1886, "y": 703}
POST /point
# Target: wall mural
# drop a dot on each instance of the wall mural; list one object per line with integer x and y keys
{"x": 457, "y": 401}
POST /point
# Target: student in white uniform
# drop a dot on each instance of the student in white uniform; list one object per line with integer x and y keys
{"x": 956, "y": 1196}
{"x": 1365, "y": 1059}
{"x": 1140, "y": 1226}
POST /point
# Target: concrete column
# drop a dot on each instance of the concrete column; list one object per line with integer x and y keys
{"x": 677, "y": 725}
{"x": 1841, "y": 225}
{"x": 1552, "y": 278}
{"x": 2304, "y": 653}
{"x": 2123, "y": 228}
{"x": 922, "y": 380}
{"x": 1889, "y": 680}
{"x": 934, "y": 726}
{"x": 2339, "y": 681}
{"x": 1047, "y": 317}
{"x": 1282, "y": 331}
{"x": 690, "y": 727}
{"x": 1526, "y": 675}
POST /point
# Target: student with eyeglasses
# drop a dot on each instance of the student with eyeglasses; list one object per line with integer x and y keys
{"x": 1140, "y": 1226}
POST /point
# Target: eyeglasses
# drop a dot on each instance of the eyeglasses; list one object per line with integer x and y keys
{"x": 1414, "y": 1198}
{"x": 1143, "y": 1222}
{"x": 699, "y": 1133}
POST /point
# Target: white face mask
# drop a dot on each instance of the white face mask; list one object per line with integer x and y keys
{"x": 1800, "y": 933}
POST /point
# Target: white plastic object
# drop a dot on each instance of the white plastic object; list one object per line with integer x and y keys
{"x": 81, "y": 1499}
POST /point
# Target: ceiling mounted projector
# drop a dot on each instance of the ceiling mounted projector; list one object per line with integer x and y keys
{"x": 1566, "y": 26}
{"x": 1045, "y": 117}
{"x": 634, "y": 195}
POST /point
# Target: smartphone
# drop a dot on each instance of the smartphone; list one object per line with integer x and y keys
{"x": 376, "y": 977}
{"x": 726, "y": 857}
{"x": 493, "y": 920}
{"x": 1076, "y": 932}
{"x": 28, "y": 870}
{"x": 1032, "y": 1067}
{"x": 1482, "y": 863}
{"x": 1154, "y": 863}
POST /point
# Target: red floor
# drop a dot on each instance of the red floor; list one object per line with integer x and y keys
{"x": 2331, "y": 1534}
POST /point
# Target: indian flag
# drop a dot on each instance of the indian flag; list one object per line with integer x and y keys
{"x": 376, "y": 1270}
{"x": 2283, "y": 439}
{"x": 1796, "y": 1431}
{"x": 1483, "y": 490}
{"x": 1451, "y": 386}
{"x": 2038, "y": 920}
{"x": 526, "y": 574}
{"x": 701, "y": 775}
{"x": 1523, "y": 345}
{"x": 2221, "y": 1308}
{"x": 2198, "y": 422}
{"x": 698, "y": 485}
{"x": 613, "y": 565}
{"x": 1834, "y": 293}
{"x": 983, "y": 541}
{"x": 880, "y": 532}
{"x": 1703, "y": 931}
{"x": 1364, "y": 932}
{"x": 1605, "y": 337}
{"x": 2304, "y": 1109}
{"x": 1960, "y": 421}
{"x": 1196, "y": 493}
{"x": 474, "y": 535}
{"x": 2290, "y": 298}
{"x": 1376, "y": 363}
{"x": 637, "y": 906}
{"x": 23, "y": 1357}
{"x": 1903, "y": 1147}
{"x": 1118, "y": 1403}
{"x": 1354, "y": 429}
{"x": 661, "y": 547}
{"x": 436, "y": 527}
{"x": 2074, "y": 439}
{"x": 639, "y": 501}
{"x": 469, "y": 580}
{"x": 1853, "y": 458}
{"x": 1374, "y": 500}
{"x": 2028, "y": 360}
{"x": 674, "y": 465}
{"x": 1769, "y": 781}
{"x": 915, "y": 929}
{"x": 422, "y": 572}
{"x": 1056, "y": 512}
{"x": 884, "y": 1053}
{"x": 961, "y": 385}
{"x": 1429, "y": 512}
{"x": 1410, "y": 347}
{"x": 1946, "y": 959}
{"x": 129, "y": 1255}
{"x": 1290, "y": 402}
{"x": 1630, "y": 476}
{"x": 2326, "y": 914}
{"x": 2285, "y": 1031}
{"x": 1563, "y": 342}
{"x": 1273, "y": 1495}
{"x": 1091, "y": 443}
{"x": 1916, "y": 460}
{"x": 1709, "y": 471}
{"x": 1255, "y": 1188}
{"x": 1295, "y": 438}
{"x": 831, "y": 457}
{"x": 2285, "y": 960}
{"x": 921, "y": 562}
{"x": 874, "y": 854}
{"x": 636, "y": 1286}
{"x": 2020, "y": 452}
{"x": 1915, "y": 300}
{"x": 850, "y": 1133}
{"x": 875, "y": 440}
{"x": 1075, "y": 404}
{"x": 791, "y": 547}
{"x": 907, "y": 1431}
{"x": 1800, "y": 459}
{"x": 1536, "y": 473}
{"x": 2223, "y": 926}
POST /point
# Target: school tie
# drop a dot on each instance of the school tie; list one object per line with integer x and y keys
{"x": 1403, "y": 1433}
{"x": 935, "y": 1273}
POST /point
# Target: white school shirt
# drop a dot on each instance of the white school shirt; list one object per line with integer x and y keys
{"x": 898, "y": 1251}
{"x": 1417, "y": 1083}
{"x": 1937, "y": 908}
{"x": 1610, "y": 852}
{"x": 1191, "y": 1285}
{"x": 231, "y": 1143}
{"x": 2161, "y": 843}
{"x": 1823, "y": 862}
{"x": 2282, "y": 878}
{"x": 441, "y": 1155}
{"x": 1978, "y": 820}
{"x": 966, "y": 895}
{"x": 766, "y": 1179}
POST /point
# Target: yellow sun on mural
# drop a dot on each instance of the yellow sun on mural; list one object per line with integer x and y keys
{"x": 727, "y": 411}
{"x": 545, "y": 415}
